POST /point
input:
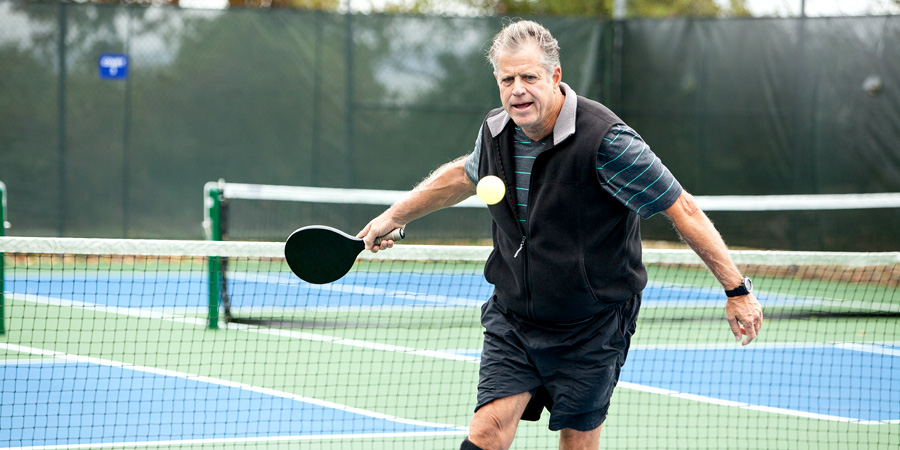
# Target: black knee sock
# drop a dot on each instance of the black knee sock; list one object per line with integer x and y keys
{"x": 468, "y": 445}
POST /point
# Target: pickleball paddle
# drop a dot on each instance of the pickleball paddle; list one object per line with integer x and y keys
{"x": 319, "y": 254}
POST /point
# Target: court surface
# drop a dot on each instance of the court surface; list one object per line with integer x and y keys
{"x": 76, "y": 400}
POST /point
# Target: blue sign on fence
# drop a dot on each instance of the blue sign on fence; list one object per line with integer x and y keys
{"x": 113, "y": 66}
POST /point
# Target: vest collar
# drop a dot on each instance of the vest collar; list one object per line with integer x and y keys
{"x": 565, "y": 123}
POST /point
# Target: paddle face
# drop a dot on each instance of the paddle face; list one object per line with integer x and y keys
{"x": 319, "y": 254}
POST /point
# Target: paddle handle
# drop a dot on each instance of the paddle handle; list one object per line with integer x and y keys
{"x": 395, "y": 235}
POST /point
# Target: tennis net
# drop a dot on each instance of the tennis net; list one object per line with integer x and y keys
{"x": 108, "y": 345}
{"x": 260, "y": 212}
{"x": 840, "y": 222}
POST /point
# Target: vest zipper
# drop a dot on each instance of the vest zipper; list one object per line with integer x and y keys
{"x": 521, "y": 247}
{"x": 529, "y": 302}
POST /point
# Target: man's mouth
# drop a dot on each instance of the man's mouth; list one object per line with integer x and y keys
{"x": 522, "y": 106}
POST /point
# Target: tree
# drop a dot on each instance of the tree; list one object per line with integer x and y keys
{"x": 324, "y": 5}
{"x": 580, "y": 8}
{"x": 577, "y": 8}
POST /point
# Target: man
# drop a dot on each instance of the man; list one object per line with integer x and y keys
{"x": 566, "y": 265}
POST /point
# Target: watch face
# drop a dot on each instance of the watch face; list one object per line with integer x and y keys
{"x": 749, "y": 284}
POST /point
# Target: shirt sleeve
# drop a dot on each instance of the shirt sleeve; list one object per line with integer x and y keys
{"x": 473, "y": 160}
{"x": 634, "y": 175}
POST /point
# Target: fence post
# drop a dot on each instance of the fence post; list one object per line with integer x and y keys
{"x": 62, "y": 204}
{"x": 3, "y": 225}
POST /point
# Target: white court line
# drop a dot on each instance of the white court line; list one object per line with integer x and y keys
{"x": 361, "y": 290}
{"x": 458, "y": 357}
{"x": 235, "y": 440}
{"x": 226, "y": 383}
{"x": 870, "y": 348}
{"x": 880, "y": 347}
{"x": 766, "y": 299}
{"x": 136, "y": 312}
{"x": 749, "y": 406}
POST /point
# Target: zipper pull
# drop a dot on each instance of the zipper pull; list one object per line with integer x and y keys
{"x": 521, "y": 246}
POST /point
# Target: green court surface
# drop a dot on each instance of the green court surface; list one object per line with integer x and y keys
{"x": 119, "y": 355}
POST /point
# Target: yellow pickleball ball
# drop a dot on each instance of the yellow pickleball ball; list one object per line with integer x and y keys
{"x": 490, "y": 189}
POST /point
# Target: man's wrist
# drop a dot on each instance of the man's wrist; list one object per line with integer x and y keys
{"x": 744, "y": 288}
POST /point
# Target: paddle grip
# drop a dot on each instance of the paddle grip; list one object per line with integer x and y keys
{"x": 395, "y": 235}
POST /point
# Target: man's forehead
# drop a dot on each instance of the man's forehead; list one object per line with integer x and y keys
{"x": 519, "y": 61}
{"x": 531, "y": 69}
{"x": 524, "y": 50}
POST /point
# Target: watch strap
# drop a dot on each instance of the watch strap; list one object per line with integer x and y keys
{"x": 743, "y": 289}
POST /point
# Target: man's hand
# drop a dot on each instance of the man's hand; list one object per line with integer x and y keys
{"x": 744, "y": 316}
{"x": 378, "y": 227}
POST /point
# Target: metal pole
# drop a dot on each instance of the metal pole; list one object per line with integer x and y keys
{"x": 350, "y": 178}
{"x": 126, "y": 135}
{"x": 617, "y": 53}
{"x": 2, "y": 233}
{"x": 317, "y": 102}
{"x": 61, "y": 119}
{"x": 619, "y": 9}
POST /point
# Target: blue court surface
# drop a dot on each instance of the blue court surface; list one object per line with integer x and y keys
{"x": 852, "y": 383}
{"x": 859, "y": 383}
{"x": 279, "y": 290}
{"x": 63, "y": 406}
{"x": 76, "y": 403}
{"x": 73, "y": 403}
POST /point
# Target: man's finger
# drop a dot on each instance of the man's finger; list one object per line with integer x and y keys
{"x": 751, "y": 334}
{"x": 754, "y": 322}
{"x": 364, "y": 234}
{"x": 735, "y": 328}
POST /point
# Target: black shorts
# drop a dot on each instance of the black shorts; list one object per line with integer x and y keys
{"x": 570, "y": 369}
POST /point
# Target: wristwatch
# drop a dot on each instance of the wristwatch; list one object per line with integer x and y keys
{"x": 744, "y": 288}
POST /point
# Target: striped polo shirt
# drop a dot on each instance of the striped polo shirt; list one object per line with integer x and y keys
{"x": 626, "y": 167}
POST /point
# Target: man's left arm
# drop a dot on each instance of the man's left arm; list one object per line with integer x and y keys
{"x": 743, "y": 312}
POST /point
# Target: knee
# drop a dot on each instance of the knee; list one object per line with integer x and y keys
{"x": 490, "y": 432}
{"x": 570, "y": 439}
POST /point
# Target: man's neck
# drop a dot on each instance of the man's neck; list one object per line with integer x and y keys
{"x": 544, "y": 130}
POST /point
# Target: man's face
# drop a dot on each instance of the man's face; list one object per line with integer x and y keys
{"x": 527, "y": 91}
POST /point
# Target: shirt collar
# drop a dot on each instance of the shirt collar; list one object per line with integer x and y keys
{"x": 565, "y": 122}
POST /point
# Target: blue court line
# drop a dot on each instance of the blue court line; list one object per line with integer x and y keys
{"x": 68, "y": 402}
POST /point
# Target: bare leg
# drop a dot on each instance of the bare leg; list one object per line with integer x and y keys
{"x": 570, "y": 439}
{"x": 494, "y": 425}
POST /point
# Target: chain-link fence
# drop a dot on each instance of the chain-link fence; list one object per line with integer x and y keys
{"x": 734, "y": 106}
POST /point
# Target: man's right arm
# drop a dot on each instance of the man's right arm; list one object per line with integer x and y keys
{"x": 446, "y": 186}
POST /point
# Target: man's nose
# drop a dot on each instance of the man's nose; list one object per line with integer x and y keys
{"x": 518, "y": 87}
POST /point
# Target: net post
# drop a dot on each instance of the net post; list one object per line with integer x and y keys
{"x": 3, "y": 226}
{"x": 213, "y": 227}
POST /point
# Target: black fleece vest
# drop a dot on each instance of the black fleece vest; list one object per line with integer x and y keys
{"x": 580, "y": 250}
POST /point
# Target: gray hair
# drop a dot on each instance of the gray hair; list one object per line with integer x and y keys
{"x": 516, "y": 35}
